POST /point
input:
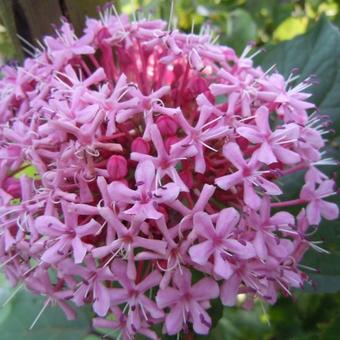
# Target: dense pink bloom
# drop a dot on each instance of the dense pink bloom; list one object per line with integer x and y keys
{"x": 150, "y": 155}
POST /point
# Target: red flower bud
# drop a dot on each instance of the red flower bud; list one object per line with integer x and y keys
{"x": 117, "y": 167}
{"x": 170, "y": 141}
{"x": 12, "y": 186}
{"x": 140, "y": 145}
{"x": 167, "y": 125}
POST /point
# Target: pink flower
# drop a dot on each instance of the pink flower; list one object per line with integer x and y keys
{"x": 248, "y": 174}
{"x": 291, "y": 103}
{"x": 199, "y": 135}
{"x": 133, "y": 294}
{"x": 265, "y": 226}
{"x": 93, "y": 280}
{"x": 126, "y": 241}
{"x": 221, "y": 241}
{"x": 165, "y": 163}
{"x": 127, "y": 331}
{"x": 273, "y": 144}
{"x": 67, "y": 45}
{"x": 317, "y": 206}
{"x": 64, "y": 237}
{"x": 187, "y": 303}
{"x": 147, "y": 195}
{"x": 41, "y": 284}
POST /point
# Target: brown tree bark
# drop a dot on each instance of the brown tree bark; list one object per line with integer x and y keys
{"x": 33, "y": 19}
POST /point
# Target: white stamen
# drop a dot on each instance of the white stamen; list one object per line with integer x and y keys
{"x": 8, "y": 260}
{"x": 171, "y": 15}
{"x": 40, "y": 313}
{"x": 14, "y": 293}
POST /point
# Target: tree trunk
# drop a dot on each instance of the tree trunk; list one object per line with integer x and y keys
{"x": 33, "y": 19}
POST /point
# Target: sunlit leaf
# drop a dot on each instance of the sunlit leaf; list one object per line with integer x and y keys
{"x": 290, "y": 28}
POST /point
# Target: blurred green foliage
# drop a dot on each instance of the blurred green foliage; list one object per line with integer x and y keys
{"x": 237, "y": 22}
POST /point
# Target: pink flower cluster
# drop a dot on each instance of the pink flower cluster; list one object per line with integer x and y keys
{"x": 158, "y": 157}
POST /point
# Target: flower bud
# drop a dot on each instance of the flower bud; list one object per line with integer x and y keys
{"x": 117, "y": 167}
{"x": 12, "y": 186}
{"x": 140, "y": 145}
{"x": 166, "y": 125}
{"x": 170, "y": 141}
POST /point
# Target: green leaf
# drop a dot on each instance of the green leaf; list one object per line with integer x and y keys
{"x": 52, "y": 324}
{"x": 92, "y": 337}
{"x": 29, "y": 171}
{"x": 316, "y": 52}
{"x": 238, "y": 323}
{"x": 333, "y": 329}
{"x": 240, "y": 29}
{"x": 216, "y": 312}
{"x": 290, "y": 28}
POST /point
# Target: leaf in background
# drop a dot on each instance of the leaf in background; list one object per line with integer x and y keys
{"x": 92, "y": 337}
{"x": 332, "y": 330}
{"x": 316, "y": 52}
{"x": 29, "y": 171}
{"x": 290, "y": 28}
{"x": 238, "y": 323}
{"x": 5, "y": 290}
{"x": 52, "y": 324}
{"x": 240, "y": 29}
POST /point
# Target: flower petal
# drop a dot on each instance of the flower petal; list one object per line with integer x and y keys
{"x": 167, "y": 193}
{"x": 250, "y": 197}
{"x": 200, "y": 253}
{"x": 222, "y": 267}
{"x": 230, "y": 289}
{"x": 119, "y": 192}
{"x": 150, "y": 281}
{"x": 265, "y": 154}
{"x": 50, "y": 226}
{"x": 226, "y": 182}
{"x": 101, "y": 303}
{"x": 167, "y": 297}
{"x": 286, "y": 156}
{"x": 270, "y": 187}
{"x": 250, "y": 133}
{"x": 174, "y": 320}
{"x": 313, "y": 212}
{"x": 205, "y": 289}
{"x": 262, "y": 120}
{"x": 145, "y": 173}
{"x": 260, "y": 245}
{"x": 203, "y": 225}
{"x": 329, "y": 210}
{"x": 79, "y": 250}
{"x": 201, "y": 319}
{"x": 226, "y": 221}
{"x": 232, "y": 153}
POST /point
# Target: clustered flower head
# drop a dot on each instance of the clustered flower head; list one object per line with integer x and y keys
{"x": 158, "y": 159}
